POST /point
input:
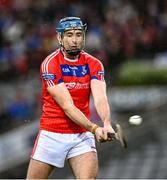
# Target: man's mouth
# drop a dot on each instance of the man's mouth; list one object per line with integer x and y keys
{"x": 73, "y": 47}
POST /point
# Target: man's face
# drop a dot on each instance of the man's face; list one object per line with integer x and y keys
{"x": 73, "y": 39}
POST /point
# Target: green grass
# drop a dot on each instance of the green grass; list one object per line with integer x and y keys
{"x": 141, "y": 73}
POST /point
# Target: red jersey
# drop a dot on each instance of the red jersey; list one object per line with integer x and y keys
{"x": 76, "y": 74}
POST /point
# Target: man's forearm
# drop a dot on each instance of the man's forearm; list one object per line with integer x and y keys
{"x": 79, "y": 118}
{"x": 103, "y": 111}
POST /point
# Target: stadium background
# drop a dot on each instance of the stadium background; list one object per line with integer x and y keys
{"x": 129, "y": 37}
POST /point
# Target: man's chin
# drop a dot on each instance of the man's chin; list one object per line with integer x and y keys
{"x": 73, "y": 52}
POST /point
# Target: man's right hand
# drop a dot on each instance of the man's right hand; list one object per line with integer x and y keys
{"x": 100, "y": 135}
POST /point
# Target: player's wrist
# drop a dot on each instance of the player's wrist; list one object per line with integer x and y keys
{"x": 94, "y": 128}
{"x": 107, "y": 122}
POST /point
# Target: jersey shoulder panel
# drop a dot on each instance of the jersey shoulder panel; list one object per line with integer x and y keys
{"x": 91, "y": 60}
{"x": 50, "y": 69}
{"x": 48, "y": 63}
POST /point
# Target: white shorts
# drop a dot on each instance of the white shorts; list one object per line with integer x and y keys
{"x": 54, "y": 148}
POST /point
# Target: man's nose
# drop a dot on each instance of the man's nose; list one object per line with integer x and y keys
{"x": 74, "y": 39}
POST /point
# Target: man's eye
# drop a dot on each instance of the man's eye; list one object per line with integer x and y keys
{"x": 79, "y": 34}
{"x": 69, "y": 35}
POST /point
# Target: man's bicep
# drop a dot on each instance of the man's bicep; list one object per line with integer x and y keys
{"x": 60, "y": 94}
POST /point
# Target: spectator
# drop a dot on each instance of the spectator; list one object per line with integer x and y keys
{"x": 20, "y": 110}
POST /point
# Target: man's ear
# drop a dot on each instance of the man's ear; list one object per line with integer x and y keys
{"x": 59, "y": 38}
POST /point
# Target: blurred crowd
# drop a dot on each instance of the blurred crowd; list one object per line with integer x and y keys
{"x": 118, "y": 30}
